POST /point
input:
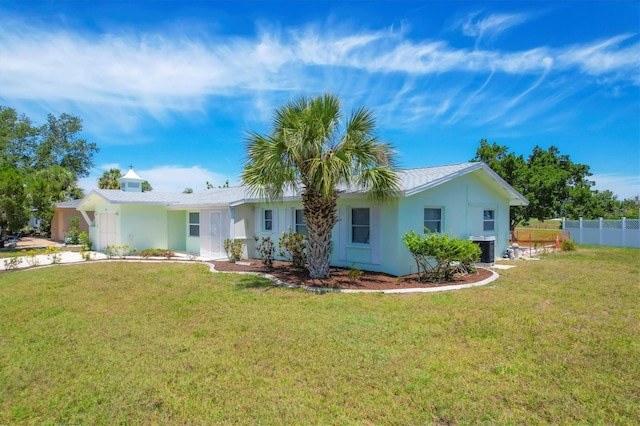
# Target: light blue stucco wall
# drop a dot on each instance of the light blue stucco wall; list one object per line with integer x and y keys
{"x": 462, "y": 200}
{"x": 243, "y": 227}
{"x": 143, "y": 227}
{"x": 177, "y": 230}
{"x": 371, "y": 256}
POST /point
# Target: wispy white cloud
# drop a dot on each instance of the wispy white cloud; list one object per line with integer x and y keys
{"x": 119, "y": 79}
{"x": 603, "y": 57}
{"x": 623, "y": 186}
{"x": 489, "y": 26}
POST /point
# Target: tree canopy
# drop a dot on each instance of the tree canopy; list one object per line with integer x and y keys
{"x": 313, "y": 148}
{"x": 554, "y": 185}
{"x": 40, "y": 166}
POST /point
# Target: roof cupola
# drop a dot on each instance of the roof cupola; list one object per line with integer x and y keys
{"x": 131, "y": 182}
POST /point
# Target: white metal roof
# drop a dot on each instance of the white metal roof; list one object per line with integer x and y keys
{"x": 411, "y": 181}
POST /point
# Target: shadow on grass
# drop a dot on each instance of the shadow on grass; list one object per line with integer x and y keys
{"x": 250, "y": 281}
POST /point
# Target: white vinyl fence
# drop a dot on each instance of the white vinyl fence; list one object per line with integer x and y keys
{"x": 604, "y": 232}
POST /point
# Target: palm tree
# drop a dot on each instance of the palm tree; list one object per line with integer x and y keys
{"x": 312, "y": 150}
{"x": 109, "y": 179}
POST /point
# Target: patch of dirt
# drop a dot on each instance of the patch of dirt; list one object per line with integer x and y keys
{"x": 339, "y": 277}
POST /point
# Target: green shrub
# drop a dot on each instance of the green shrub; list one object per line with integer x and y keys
{"x": 31, "y": 257}
{"x": 156, "y": 252}
{"x": 568, "y": 245}
{"x": 86, "y": 255}
{"x": 54, "y": 254}
{"x": 293, "y": 248}
{"x": 233, "y": 248}
{"x": 72, "y": 236}
{"x": 266, "y": 249}
{"x": 120, "y": 251}
{"x": 12, "y": 262}
{"x": 354, "y": 274}
{"x": 83, "y": 238}
{"x": 439, "y": 257}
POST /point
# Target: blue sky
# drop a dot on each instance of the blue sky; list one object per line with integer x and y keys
{"x": 173, "y": 87}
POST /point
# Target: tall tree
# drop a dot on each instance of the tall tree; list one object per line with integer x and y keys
{"x": 14, "y": 207}
{"x": 37, "y": 156}
{"x": 546, "y": 178}
{"x": 60, "y": 145}
{"x": 312, "y": 149}
{"x": 48, "y": 187}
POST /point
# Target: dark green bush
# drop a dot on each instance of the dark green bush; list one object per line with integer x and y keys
{"x": 266, "y": 249}
{"x": 233, "y": 248}
{"x": 157, "y": 252}
{"x": 568, "y": 245}
{"x": 293, "y": 248}
{"x": 439, "y": 257}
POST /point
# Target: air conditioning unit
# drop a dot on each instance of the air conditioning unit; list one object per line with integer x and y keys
{"x": 487, "y": 248}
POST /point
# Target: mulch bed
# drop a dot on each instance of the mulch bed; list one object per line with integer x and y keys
{"x": 339, "y": 277}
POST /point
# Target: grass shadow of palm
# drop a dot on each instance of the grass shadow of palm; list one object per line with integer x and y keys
{"x": 251, "y": 281}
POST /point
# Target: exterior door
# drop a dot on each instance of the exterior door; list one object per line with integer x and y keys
{"x": 107, "y": 224}
{"x": 215, "y": 235}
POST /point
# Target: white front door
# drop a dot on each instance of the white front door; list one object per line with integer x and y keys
{"x": 107, "y": 224}
{"x": 215, "y": 234}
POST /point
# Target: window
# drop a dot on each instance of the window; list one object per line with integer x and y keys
{"x": 360, "y": 226}
{"x": 489, "y": 220}
{"x": 268, "y": 220}
{"x": 432, "y": 220}
{"x": 194, "y": 224}
{"x": 300, "y": 225}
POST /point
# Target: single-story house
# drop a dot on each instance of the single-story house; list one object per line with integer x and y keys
{"x": 466, "y": 200}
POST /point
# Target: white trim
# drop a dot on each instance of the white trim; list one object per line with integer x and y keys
{"x": 274, "y": 220}
{"x": 374, "y": 234}
{"x": 257, "y": 221}
{"x": 189, "y": 224}
{"x": 343, "y": 233}
{"x": 289, "y": 218}
{"x": 494, "y": 219}
{"x": 232, "y": 225}
{"x": 432, "y": 207}
{"x": 86, "y": 217}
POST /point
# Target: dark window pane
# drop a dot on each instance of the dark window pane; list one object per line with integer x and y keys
{"x": 360, "y": 217}
{"x": 432, "y": 214}
{"x": 361, "y": 234}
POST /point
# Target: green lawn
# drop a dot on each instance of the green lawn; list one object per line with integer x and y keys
{"x": 552, "y": 341}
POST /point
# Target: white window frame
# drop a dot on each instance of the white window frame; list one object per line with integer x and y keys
{"x": 269, "y": 221}
{"x": 298, "y": 225}
{"x": 440, "y": 221}
{"x": 489, "y": 219}
{"x": 362, "y": 226}
{"x": 193, "y": 225}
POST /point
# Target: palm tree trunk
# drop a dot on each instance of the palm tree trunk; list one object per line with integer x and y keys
{"x": 320, "y": 217}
